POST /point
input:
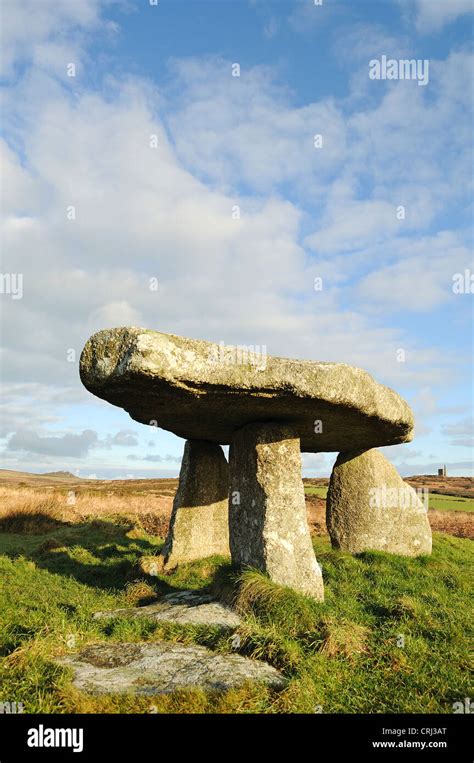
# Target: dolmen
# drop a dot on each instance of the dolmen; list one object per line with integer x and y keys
{"x": 268, "y": 410}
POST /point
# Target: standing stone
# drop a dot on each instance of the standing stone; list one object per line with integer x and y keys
{"x": 199, "y": 524}
{"x": 370, "y": 507}
{"x": 267, "y": 512}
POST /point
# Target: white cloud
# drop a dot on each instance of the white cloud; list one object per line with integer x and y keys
{"x": 141, "y": 214}
{"x": 46, "y": 31}
{"x": 166, "y": 212}
{"x": 464, "y": 442}
{"x": 118, "y": 313}
{"x": 355, "y": 224}
{"x": 155, "y": 458}
{"x": 422, "y": 277}
{"x": 66, "y": 445}
{"x": 33, "y": 405}
{"x": 317, "y": 464}
{"x": 124, "y": 437}
{"x": 243, "y": 130}
{"x": 464, "y": 426}
{"x": 308, "y": 16}
{"x": 247, "y": 132}
{"x": 271, "y": 28}
{"x": 398, "y": 453}
{"x": 463, "y": 432}
{"x": 432, "y": 15}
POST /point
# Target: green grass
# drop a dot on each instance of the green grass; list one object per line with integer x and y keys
{"x": 450, "y": 503}
{"x": 321, "y": 492}
{"x": 435, "y": 501}
{"x": 343, "y": 656}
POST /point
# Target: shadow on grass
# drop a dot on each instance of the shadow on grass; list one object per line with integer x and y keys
{"x": 30, "y": 523}
{"x": 97, "y": 553}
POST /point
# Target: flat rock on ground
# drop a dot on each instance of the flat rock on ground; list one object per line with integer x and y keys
{"x": 184, "y": 607}
{"x": 203, "y": 391}
{"x": 161, "y": 668}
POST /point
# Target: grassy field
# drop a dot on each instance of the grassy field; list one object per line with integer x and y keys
{"x": 392, "y": 635}
{"x": 450, "y": 503}
{"x": 321, "y": 492}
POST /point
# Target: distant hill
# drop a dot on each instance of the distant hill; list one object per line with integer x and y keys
{"x": 61, "y": 474}
{"x": 64, "y": 480}
{"x": 461, "y": 486}
{"x": 30, "y": 478}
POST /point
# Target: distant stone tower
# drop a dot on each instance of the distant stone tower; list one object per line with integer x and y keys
{"x": 442, "y": 471}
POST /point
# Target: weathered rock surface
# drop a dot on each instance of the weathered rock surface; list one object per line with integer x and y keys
{"x": 199, "y": 525}
{"x": 184, "y": 608}
{"x": 267, "y": 510}
{"x": 200, "y": 391}
{"x": 370, "y": 507}
{"x": 161, "y": 667}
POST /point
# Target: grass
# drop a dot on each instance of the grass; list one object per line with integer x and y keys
{"x": 450, "y": 503}
{"x": 321, "y": 492}
{"x": 392, "y": 635}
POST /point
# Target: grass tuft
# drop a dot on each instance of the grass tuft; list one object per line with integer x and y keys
{"x": 139, "y": 593}
{"x": 343, "y": 638}
{"x": 275, "y": 605}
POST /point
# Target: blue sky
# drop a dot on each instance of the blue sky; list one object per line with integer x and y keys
{"x": 153, "y": 142}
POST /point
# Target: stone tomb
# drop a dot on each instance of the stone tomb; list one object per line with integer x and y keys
{"x": 268, "y": 413}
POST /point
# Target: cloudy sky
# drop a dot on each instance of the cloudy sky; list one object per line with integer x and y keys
{"x": 235, "y": 151}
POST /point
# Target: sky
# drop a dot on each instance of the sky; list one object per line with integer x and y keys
{"x": 236, "y": 171}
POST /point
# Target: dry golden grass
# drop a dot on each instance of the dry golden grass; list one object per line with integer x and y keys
{"x": 30, "y": 510}
{"x": 139, "y": 592}
{"x": 39, "y": 509}
{"x": 457, "y": 523}
{"x": 316, "y": 513}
